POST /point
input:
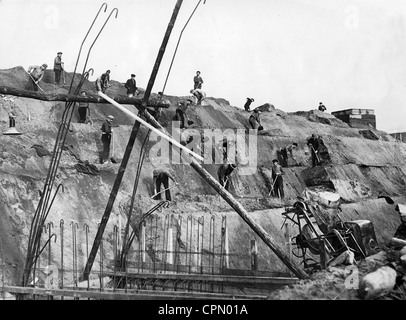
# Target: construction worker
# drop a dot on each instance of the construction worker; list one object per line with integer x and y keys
{"x": 322, "y": 108}
{"x": 83, "y": 110}
{"x": 58, "y": 67}
{"x": 313, "y": 144}
{"x": 36, "y": 74}
{"x": 11, "y": 116}
{"x": 199, "y": 95}
{"x": 106, "y": 138}
{"x": 277, "y": 172}
{"x": 103, "y": 82}
{"x": 224, "y": 171}
{"x": 161, "y": 176}
{"x": 198, "y": 81}
{"x": 248, "y": 103}
{"x": 286, "y": 152}
{"x": 255, "y": 120}
{"x": 131, "y": 86}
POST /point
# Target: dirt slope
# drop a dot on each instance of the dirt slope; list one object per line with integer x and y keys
{"x": 359, "y": 169}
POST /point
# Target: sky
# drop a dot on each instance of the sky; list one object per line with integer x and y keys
{"x": 290, "y": 53}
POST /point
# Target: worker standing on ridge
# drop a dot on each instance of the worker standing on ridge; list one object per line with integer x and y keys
{"x": 322, "y": 108}
{"x": 12, "y": 118}
{"x": 36, "y": 74}
{"x": 277, "y": 178}
{"x": 198, "y": 81}
{"x": 248, "y": 103}
{"x": 224, "y": 174}
{"x": 255, "y": 120}
{"x": 160, "y": 176}
{"x": 199, "y": 95}
{"x": 313, "y": 144}
{"x": 84, "y": 110}
{"x": 131, "y": 86}
{"x": 58, "y": 67}
{"x": 103, "y": 82}
{"x": 286, "y": 152}
{"x": 106, "y": 138}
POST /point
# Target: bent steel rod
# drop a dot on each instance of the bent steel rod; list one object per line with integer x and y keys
{"x": 130, "y": 144}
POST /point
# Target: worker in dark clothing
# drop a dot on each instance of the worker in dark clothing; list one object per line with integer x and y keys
{"x": 103, "y": 82}
{"x": 58, "y": 67}
{"x": 255, "y": 120}
{"x": 162, "y": 176}
{"x": 277, "y": 172}
{"x": 198, "y": 81}
{"x": 179, "y": 116}
{"x": 224, "y": 172}
{"x": 287, "y": 152}
{"x": 36, "y": 74}
{"x": 84, "y": 110}
{"x": 248, "y": 103}
{"x": 12, "y": 118}
{"x": 322, "y": 108}
{"x": 313, "y": 144}
{"x": 131, "y": 86}
{"x": 106, "y": 138}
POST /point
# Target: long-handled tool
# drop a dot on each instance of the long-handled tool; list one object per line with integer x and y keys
{"x": 34, "y": 80}
{"x": 162, "y": 191}
{"x": 63, "y": 73}
{"x": 272, "y": 187}
{"x": 315, "y": 153}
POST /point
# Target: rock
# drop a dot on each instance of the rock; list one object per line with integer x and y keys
{"x": 403, "y": 251}
{"x": 266, "y": 107}
{"x": 375, "y": 283}
{"x": 346, "y": 258}
{"x": 322, "y": 195}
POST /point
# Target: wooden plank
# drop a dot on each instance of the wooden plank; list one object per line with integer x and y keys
{"x": 121, "y": 294}
{"x": 208, "y": 278}
{"x": 73, "y": 98}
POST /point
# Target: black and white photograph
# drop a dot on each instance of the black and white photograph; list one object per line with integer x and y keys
{"x": 204, "y": 158}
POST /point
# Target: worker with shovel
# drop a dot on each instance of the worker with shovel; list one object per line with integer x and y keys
{"x": 313, "y": 144}
{"x": 36, "y": 74}
{"x": 277, "y": 185}
{"x": 161, "y": 176}
{"x": 224, "y": 172}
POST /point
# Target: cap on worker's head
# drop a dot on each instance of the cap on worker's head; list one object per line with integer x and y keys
{"x": 197, "y": 71}
{"x": 256, "y": 111}
{"x": 59, "y": 52}
{"x": 45, "y": 65}
{"x": 132, "y": 75}
{"x": 108, "y": 71}
{"x": 320, "y": 103}
{"x": 110, "y": 117}
{"x": 275, "y": 160}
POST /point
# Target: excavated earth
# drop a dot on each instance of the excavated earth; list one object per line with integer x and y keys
{"x": 363, "y": 164}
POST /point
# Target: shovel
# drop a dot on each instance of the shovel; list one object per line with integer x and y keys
{"x": 272, "y": 187}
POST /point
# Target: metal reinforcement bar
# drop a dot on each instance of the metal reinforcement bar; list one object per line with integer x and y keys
{"x": 75, "y": 98}
{"x": 127, "y": 294}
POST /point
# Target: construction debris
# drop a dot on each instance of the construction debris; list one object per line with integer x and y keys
{"x": 376, "y": 283}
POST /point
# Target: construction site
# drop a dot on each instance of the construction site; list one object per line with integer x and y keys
{"x": 75, "y": 228}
